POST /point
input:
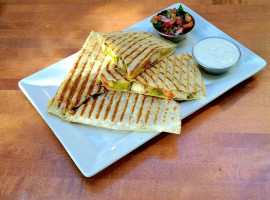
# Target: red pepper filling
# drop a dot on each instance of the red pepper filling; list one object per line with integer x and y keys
{"x": 147, "y": 64}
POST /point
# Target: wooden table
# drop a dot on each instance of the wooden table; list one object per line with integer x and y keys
{"x": 222, "y": 153}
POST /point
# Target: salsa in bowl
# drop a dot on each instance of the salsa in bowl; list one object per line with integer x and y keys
{"x": 173, "y": 24}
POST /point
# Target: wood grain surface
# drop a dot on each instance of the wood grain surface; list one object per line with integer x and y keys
{"x": 222, "y": 153}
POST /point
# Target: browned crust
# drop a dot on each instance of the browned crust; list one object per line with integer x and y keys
{"x": 68, "y": 81}
{"x": 149, "y": 111}
{"x": 125, "y": 108}
{"x": 141, "y": 110}
{"x": 116, "y": 107}
{"x": 108, "y": 109}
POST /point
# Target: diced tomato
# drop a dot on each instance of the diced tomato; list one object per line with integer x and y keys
{"x": 173, "y": 11}
{"x": 147, "y": 64}
{"x": 189, "y": 25}
{"x": 169, "y": 94}
{"x": 165, "y": 27}
{"x": 188, "y": 18}
{"x": 107, "y": 85}
{"x": 173, "y": 21}
{"x": 167, "y": 24}
{"x": 166, "y": 32}
{"x": 157, "y": 18}
{"x": 178, "y": 21}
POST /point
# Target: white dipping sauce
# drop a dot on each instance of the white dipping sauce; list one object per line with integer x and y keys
{"x": 216, "y": 53}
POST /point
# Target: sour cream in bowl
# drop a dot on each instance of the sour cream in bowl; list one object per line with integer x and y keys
{"x": 216, "y": 55}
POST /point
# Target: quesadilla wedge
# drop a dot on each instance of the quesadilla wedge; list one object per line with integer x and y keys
{"x": 175, "y": 77}
{"x": 134, "y": 51}
{"x": 83, "y": 80}
{"x": 128, "y": 111}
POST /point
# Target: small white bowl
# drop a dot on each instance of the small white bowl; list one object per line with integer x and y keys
{"x": 216, "y": 55}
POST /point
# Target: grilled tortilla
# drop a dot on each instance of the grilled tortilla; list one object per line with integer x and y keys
{"x": 83, "y": 80}
{"x": 134, "y": 51}
{"x": 175, "y": 77}
{"x": 128, "y": 111}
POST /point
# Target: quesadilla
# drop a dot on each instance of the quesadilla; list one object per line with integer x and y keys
{"x": 134, "y": 51}
{"x": 83, "y": 80}
{"x": 175, "y": 77}
{"x": 128, "y": 111}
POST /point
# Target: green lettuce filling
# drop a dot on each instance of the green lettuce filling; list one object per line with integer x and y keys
{"x": 122, "y": 86}
{"x": 156, "y": 92}
{"x": 191, "y": 95}
{"x": 110, "y": 52}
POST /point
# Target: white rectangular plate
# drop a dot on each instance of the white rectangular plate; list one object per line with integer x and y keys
{"x": 93, "y": 149}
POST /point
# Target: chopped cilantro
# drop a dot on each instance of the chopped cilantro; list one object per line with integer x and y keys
{"x": 158, "y": 24}
{"x": 181, "y": 8}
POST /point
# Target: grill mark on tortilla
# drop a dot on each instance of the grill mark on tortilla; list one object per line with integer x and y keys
{"x": 149, "y": 75}
{"x": 123, "y": 35}
{"x": 68, "y": 81}
{"x": 140, "y": 52}
{"x": 109, "y": 107}
{"x": 174, "y": 78}
{"x": 92, "y": 107}
{"x": 95, "y": 79}
{"x": 103, "y": 78}
{"x": 180, "y": 73}
{"x": 148, "y": 111}
{"x": 114, "y": 43}
{"x": 75, "y": 111}
{"x": 107, "y": 66}
{"x": 167, "y": 72}
{"x": 140, "y": 111}
{"x": 99, "y": 87}
{"x": 156, "y": 115}
{"x": 165, "y": 76}
{"x": 188, "y": 82}
{"x": 124, "y": 46}
{"x": 164, "y": 82}
{"x": 76, "y": 82}
{"x": 158, "y": 71}
{"x": 151, "y": 70}
{"x": 195, "y": 73}
{"x": 145, "y": 56}
{"x": 83, "y": 109}
{"x": 127, "y": 55}
{"x": 106, "y": 70}
{"x": 173, "y": 66}
{"x": 134, "y": 104}
{"x": 132, "y": 38}
{"x": 143, "y": 44}
{"x": 83, "y": 87}
{"x": 162, "y": 61}
{"x": 100, "y": 106}
{"x": 119, "y": 74}
{"x": 125, "y": 108}
{"x": 116, "y": 107}
{"x": 172, "y": 83}
{"x": 165, "y": 115}
{"x": 106, "y": 37}
{"x": 112, "y": 74}
{"x": 145, "y": 80}
{"x": 141, "y": 77}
